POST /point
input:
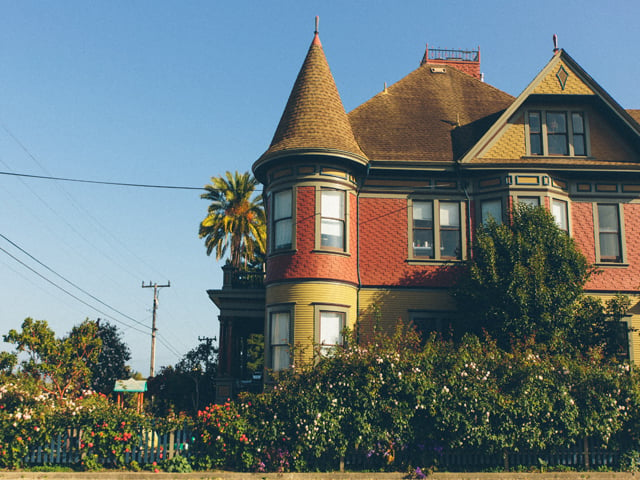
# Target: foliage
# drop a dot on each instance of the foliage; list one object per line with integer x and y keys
{"x": 222, "y": 438}
{"x": 112, "y": 360}
{"x": 526, "y": 279}
{"x": 235, "y": 218}
{"x": 177, "y": 464}
{"x": 111, "y": 432}
{"x": 63, "y": 365}
{"x": 190, "y": 385}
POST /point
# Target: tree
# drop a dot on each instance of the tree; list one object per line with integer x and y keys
{"x": 190, "y": 385}
{"x": 235, "y": 219}
{"x": 525, "y": 278}
{"x": 112, "y": 360}
{"x": 61, "y": 365}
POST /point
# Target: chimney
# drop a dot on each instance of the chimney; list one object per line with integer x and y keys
{"x": 467, "y": 61}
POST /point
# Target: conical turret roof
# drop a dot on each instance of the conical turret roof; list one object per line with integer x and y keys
{"x": 314, "y": 119}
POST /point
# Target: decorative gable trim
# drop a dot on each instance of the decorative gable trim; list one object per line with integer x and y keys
{"x": 586, "y": 85}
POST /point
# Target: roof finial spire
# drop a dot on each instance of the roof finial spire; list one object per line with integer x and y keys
{"x": 555, "y": 43}
{"x": 316, "y": 35}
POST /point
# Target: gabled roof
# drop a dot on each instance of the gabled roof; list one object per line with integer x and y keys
{"x": 433, "y": 115}
{"x": 552, "y": 73}
{"x": 314, "y": 119}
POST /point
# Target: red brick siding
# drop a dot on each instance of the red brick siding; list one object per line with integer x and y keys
{"x": 305, "y": 263}
{"x": 384, "y": 248}
{"x": 609, "y": 278}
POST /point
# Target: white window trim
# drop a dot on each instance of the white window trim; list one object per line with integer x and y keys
{"x": 318, "y": 309}
{"x": 272, "y": 222}
{"x": 318, "y": 223}
{"x": 567, "y": 205}
{"x": 621, "y": 235}
{"x": 290, "y": 310}
{"x": 543, "y": 131}
{"x": 436, "y": 230}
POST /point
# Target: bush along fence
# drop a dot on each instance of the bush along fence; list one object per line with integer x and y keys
{"x": 396, "y": 403}
{"x": 75, "y": 447}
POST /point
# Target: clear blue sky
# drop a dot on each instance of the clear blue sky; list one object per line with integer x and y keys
{"x": 174, "y": 92}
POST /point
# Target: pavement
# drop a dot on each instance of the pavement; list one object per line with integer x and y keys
{"x": 218, "y": 475}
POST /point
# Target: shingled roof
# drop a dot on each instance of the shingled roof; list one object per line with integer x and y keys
{"x": 314, "y": 118}
{"x": 434, "y": 114}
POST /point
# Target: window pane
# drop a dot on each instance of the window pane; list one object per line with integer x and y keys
{"x": 422, "y": 214}
{"x": 332, "y": 233}
{"x": 559, "y": 212}
{"x": 579, "y": 145}
{"x": 556, "y": 122}
{"x": 608, "y": 218}
{"x": 491, "y": 209}
{"x": 534, "y": 122}
{"x": 280, "y": 358}
{"x": 332, "y": 204}
{"x": 577, "y": 122}
{"x": 423, "y": 243}
{"x": 557, "y": 133}
{"x": 609, "y": 247}
{"x": 450, "y": 243}
{"x": 558, "y": 145}
{"x": 331, "y": 328}
{"x": 280, "y": 328}
{"x": 283, "y": 233}
{"x": 531, "y": 201}
{"x": 535, "y": 133}
{"x": 535, "y": 144}
{"x": 449, "y": 214}
{"x": 282, "y": 204}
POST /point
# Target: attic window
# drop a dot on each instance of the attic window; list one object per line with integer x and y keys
{"x": 557, "y": 133}
{"x": 438, "y": 70}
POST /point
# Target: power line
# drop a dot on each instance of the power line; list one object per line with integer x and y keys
{"x": 67, "y": 292}
{"x": 100, "y": 182}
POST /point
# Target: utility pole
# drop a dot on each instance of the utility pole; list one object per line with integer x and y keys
{"x": 155, "y": 287}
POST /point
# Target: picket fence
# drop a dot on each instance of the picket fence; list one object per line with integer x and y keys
{"x": 64, "y": 448}
{"x": 153, "y": 447}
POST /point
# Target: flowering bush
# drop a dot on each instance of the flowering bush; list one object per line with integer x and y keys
{"x": 108, "y": 431}
{"x": 222, "y": 437}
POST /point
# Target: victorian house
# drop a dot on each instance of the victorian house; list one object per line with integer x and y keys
{"x": 372, "y": 212}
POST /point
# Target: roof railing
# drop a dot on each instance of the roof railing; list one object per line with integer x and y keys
{"x": 455, "y": 55}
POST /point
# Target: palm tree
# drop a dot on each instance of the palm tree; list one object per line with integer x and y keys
{"x": 235, "y": 218}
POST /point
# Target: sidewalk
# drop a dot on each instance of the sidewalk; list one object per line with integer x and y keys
{"x": 122, "y": 475}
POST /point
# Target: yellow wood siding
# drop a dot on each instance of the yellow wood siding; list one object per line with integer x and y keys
{"x": 385, "y": 307}
{"x": 551, "y": 85}
{"x": 304, "y": 297}
{"x": 511, "y": 141}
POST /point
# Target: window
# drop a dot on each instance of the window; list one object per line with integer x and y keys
{"x": 557, "y": 133}
{"x": 559, "y": 212}
{"x": 282, "y": 220}
{"x": 331, "y": 325}
{"x": 279, "y": 340}
{"x": 428, "y": 322}
{"x": 491, "y": 209}
{"x": 436, "y": 222}
{"x": 332, "y": 219}
{"x": 609, "y": 246}
{"x": 531, "y": 201}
